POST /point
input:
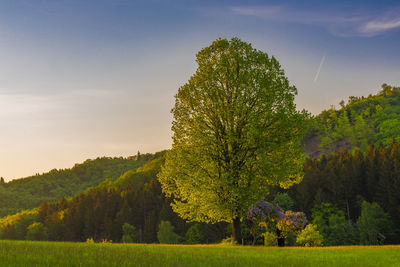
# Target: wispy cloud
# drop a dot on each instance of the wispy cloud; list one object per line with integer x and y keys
{"x": 364, "y": 24}
{"x": 375, "y": 27}
{"x": 257, "y": 11}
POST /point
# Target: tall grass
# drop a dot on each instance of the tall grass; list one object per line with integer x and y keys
{"x": 24, "y": 253}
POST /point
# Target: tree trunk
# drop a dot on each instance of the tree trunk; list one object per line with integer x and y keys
{"x": 252, "y": 233}
{"x": 348, "y": 211}
{"x": 281, "y": 240}
{"x": 236, "y": 232}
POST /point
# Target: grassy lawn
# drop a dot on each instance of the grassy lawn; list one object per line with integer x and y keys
{"x": 24, "y": 253}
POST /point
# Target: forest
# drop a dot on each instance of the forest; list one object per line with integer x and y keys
{"x": 29, "y": 192}
{"x": 348, "y": 195}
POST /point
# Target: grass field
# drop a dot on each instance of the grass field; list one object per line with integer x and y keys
{"x": 24, "y": 253}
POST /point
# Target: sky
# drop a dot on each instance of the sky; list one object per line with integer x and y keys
{"x": 86, "y": 79}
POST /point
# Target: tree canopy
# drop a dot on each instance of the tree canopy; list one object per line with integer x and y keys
{"x": 236, "y": 131}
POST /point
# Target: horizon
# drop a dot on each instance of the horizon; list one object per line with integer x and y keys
{"x": 87, "y": 80}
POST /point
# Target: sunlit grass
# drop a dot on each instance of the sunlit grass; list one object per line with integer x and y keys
{"x": 24, "y": 253}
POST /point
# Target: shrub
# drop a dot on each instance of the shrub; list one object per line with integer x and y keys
{"x": 310, "y": 237}
{"x": 128, "y": 233}
{"x": 36, "y": 231}
{"x": 332, "y": 224}
{"x": 194, "y": 234}
{"x": 227, "y": 241}
{"x": 270, "y": 239}
{"x": 374, "y": 224}
{"x": 166, "y": 234}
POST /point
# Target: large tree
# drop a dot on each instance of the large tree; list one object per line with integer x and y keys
{"x": 236, "y": 131}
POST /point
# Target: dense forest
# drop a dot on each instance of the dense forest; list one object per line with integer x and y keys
{"x": 99, "y": 213}
{"x": 333, "y": 193}
{"x": 350, "y": 192}
{"x": 29, "y": 192}
{"x": 363, "y": 120}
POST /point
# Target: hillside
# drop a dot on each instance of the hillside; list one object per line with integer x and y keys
{"x": 347, "y": 180}
{"x": 363, "y": 120}
{"x": 29, "y": 192}
{"x": 100, "y": 212}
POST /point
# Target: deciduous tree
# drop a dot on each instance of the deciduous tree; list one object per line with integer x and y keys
{"x": 236, "y": 131}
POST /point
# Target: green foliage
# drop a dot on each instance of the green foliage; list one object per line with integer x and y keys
{"x": 363, "y": 120}
{"x": 310, "y": 237}
{"x": 374, "y": 224}
{"x": 236, "y": 129}
{"x": 332, "y": 224}
{"x": 143, "y": 174}
{"x": 128, "y": 233}
{"x": 194, "y": 234}
{"x": 27, "y": 193}
{"x": 100, "y": 213}
{"x": 270, "y": 239}
{"x": 284, "y": 201}
{"x": 36, "y": 231}
{"x": 345, "y": 179}
{"x": 166, "y": 234}
{"x": 15, "y": 226}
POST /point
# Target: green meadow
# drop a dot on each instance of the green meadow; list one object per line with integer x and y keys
{"x": 28, "y": 253}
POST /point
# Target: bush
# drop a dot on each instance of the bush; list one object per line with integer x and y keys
{"x": 166, "y": 234}
{"x": 284, "y": 201}
{"x": 227, "y": 241}
{"x": 36, "y": 231}
{"x": 194, "y": 234}
{"x": 310, "y": 237}
{"x": 374, "y": 224}
{"x": 332, "y": 224}
{"x": 270, "y": 239}
{"x": 128, "y": 233}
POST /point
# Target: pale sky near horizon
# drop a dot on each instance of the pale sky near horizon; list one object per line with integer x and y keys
{"x": 85, "y": 79}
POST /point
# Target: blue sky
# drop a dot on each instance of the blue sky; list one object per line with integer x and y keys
{"x": 82, "y": 79}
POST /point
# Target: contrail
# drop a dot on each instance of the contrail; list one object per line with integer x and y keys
{"x": 319, "y": 68}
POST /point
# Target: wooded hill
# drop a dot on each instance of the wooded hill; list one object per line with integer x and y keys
{"x": 363, "y": 120}
{"x": 336, "y": 194}
{"x": 100, "y": 212}
{"x": 29, "y": 192}
{"x": 348, "y": 191}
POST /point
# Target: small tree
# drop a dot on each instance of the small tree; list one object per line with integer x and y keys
{"x": 128, "y": 233}
{"x": 36, "y": 231}
{"x": 374, "y": 224}
{"x": 332, "y": 224}
{"x": 166, "y": 234}
{"x": 310, "y": 237}
{"x": 270, "y": 215}
{"x": 194, "y": 234}
{"x": 292, "y": 222}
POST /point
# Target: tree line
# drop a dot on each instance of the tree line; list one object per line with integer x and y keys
{"x": 346, "y": 180}
{"x": 29, "y": 192}
{"x": 340, "y": 194}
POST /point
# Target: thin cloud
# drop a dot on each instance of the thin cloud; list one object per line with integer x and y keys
{"x": 254, "y": 11}
{"x": 376, "y": 27}
{"x": 361, "y": 24}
